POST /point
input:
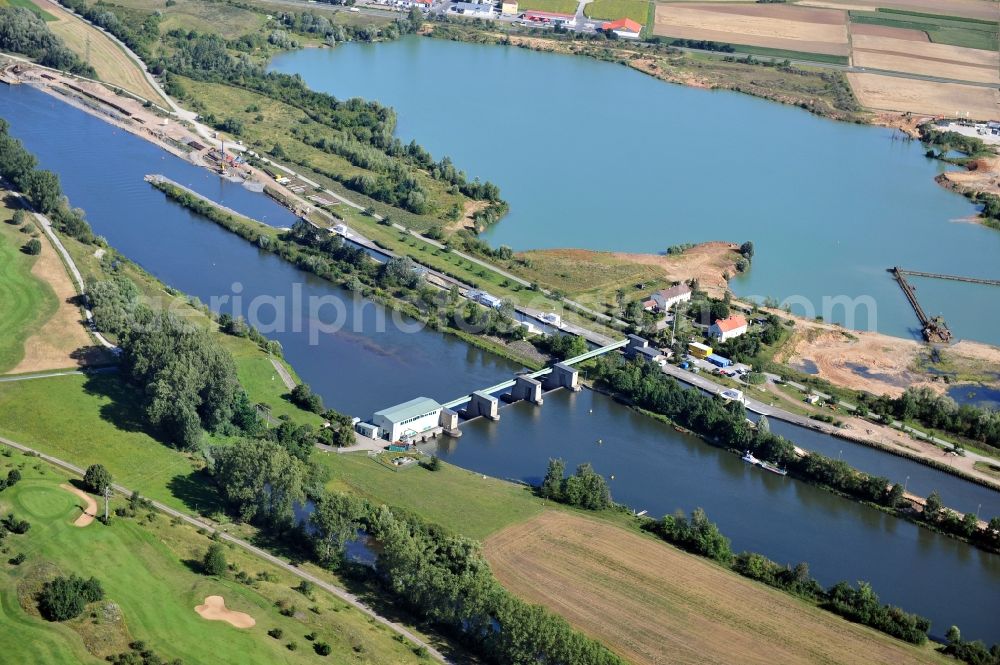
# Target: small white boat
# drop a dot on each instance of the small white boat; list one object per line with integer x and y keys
{"x": 749, "y": 458}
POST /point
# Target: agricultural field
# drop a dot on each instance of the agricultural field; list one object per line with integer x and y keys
{"x": 227, "y": 20}
{"x": 772, "y": 26}
{"x": 113, "y": 65}
{"x": 910, "y": 55}
{"x": 26, "y": 300}
{"x": 888, "y": 93}
{"x": 952, "y": 30}
{"x": 981, "y": 9}
{"x": 557, "y": 6}
{"x": 612, "y": 10}
{"x": 149, "y": 568}
{"x": 653, "y": 603}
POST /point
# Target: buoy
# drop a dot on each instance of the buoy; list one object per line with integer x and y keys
{"x": 600, "y": 441}
{"x": 612, "y": 476}
{"x": 591, "y": 410}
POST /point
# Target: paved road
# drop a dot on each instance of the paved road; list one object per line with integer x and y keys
{"x": 48, "y": 375}
{"x": 344, "y": 595}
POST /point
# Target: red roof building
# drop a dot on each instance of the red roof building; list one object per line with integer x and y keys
{"x": 624, "y": 27}
{"x": 727, "y": 328}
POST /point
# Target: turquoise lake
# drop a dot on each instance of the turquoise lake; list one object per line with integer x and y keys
{"x": 595, "y": 155}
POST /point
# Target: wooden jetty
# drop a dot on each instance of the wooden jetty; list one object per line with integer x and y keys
{"x": 934, "y": 329}
{"x": 956, "y": 278}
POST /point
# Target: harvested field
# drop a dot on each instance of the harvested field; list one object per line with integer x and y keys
{"x": 89, "y": 508}
{"x": 111, "y": 62}
{"x": 56, "y": 343}
{"x": 907, "y": 55}
{"x": 981, "y": 9}
{"x": 214, "y": 609}
{"x": 887, "y": 31}
{"x": 769, "y": 25}
{"x": 652, "y": 603}
{"x": 889, "y": 93}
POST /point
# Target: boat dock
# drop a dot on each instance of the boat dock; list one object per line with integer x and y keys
{"x": 935, "y": 330}
{"x": 956, "y": 278}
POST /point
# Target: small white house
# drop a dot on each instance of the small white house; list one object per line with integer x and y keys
{"x": 727, "y": 328}
{"x": 667, "y": 298}
{"x": 404, "y": 421}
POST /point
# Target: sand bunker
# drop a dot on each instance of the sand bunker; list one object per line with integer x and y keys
{"x": 214, "y": 609}
{"x": 89, "y": 509}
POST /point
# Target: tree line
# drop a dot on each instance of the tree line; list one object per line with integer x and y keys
{"x": 697, "y": 534}
{"x": 40, "y": 187}
{"x": 938, "y": 412}
{"x": 134, "y": 30}
{"x": 188, "y": 381}
{"x": 724, "y": 423}
{"x": 364, "y": 130}
{"x": 22, "y": 31}
{"x": 440, "y": 577}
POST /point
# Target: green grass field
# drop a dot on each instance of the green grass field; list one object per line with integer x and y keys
{"x": 148, "y": 570}
{"x": 459, "y": 500}
{"x": 953, "y": 30}
{"x": 29, "y": 5}
{"x": 612, "y": 10}
{"x": 98, "y": 419}
{"x": 557, "y": 6}
{"x": 25, "y": 301}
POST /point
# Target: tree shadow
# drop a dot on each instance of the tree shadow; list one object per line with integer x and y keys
{"x": 194, "y": 566}
{"x": 196, "y": 492}
{"x": 124, "y": 407}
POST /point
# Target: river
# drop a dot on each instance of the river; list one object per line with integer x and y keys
{"x": 595, "y": 155}
{"x": 655, "y": 468}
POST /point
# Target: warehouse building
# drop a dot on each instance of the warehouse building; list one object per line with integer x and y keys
{"x": 408, "y": 421}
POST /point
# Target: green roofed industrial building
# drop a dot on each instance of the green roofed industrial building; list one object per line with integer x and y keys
{"x": 406, "y": 421}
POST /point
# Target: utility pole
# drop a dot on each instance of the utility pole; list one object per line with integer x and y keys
{"x": 673, "y": 331}
{"x": 107, "y": 496}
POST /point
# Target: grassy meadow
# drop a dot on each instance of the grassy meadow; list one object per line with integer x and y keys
{"x": 612, "y": 10}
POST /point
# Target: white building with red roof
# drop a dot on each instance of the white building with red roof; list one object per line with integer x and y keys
{"x": 727, "y": 328}
{"x": 623, "y": 27}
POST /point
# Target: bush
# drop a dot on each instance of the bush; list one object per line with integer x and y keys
{"x": 32, "y": 247}
{"x": 276, "y": 633}
{"x": 96, "y": 479}
{"x": 18, "y": 560}
{"x": 322, "y": 648}
{"x": 65, "y": 597}
{"x": 214, "y": 562}
{"x": 15, "y": 525}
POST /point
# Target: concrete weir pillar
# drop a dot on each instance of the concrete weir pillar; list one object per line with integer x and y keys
{"x": 564, "y": 376}
{"x": 448, "y": 421}
{"x": 483, "y": 404}
{"x": 634, "y": 344}
{"x": 527, "y": 389}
